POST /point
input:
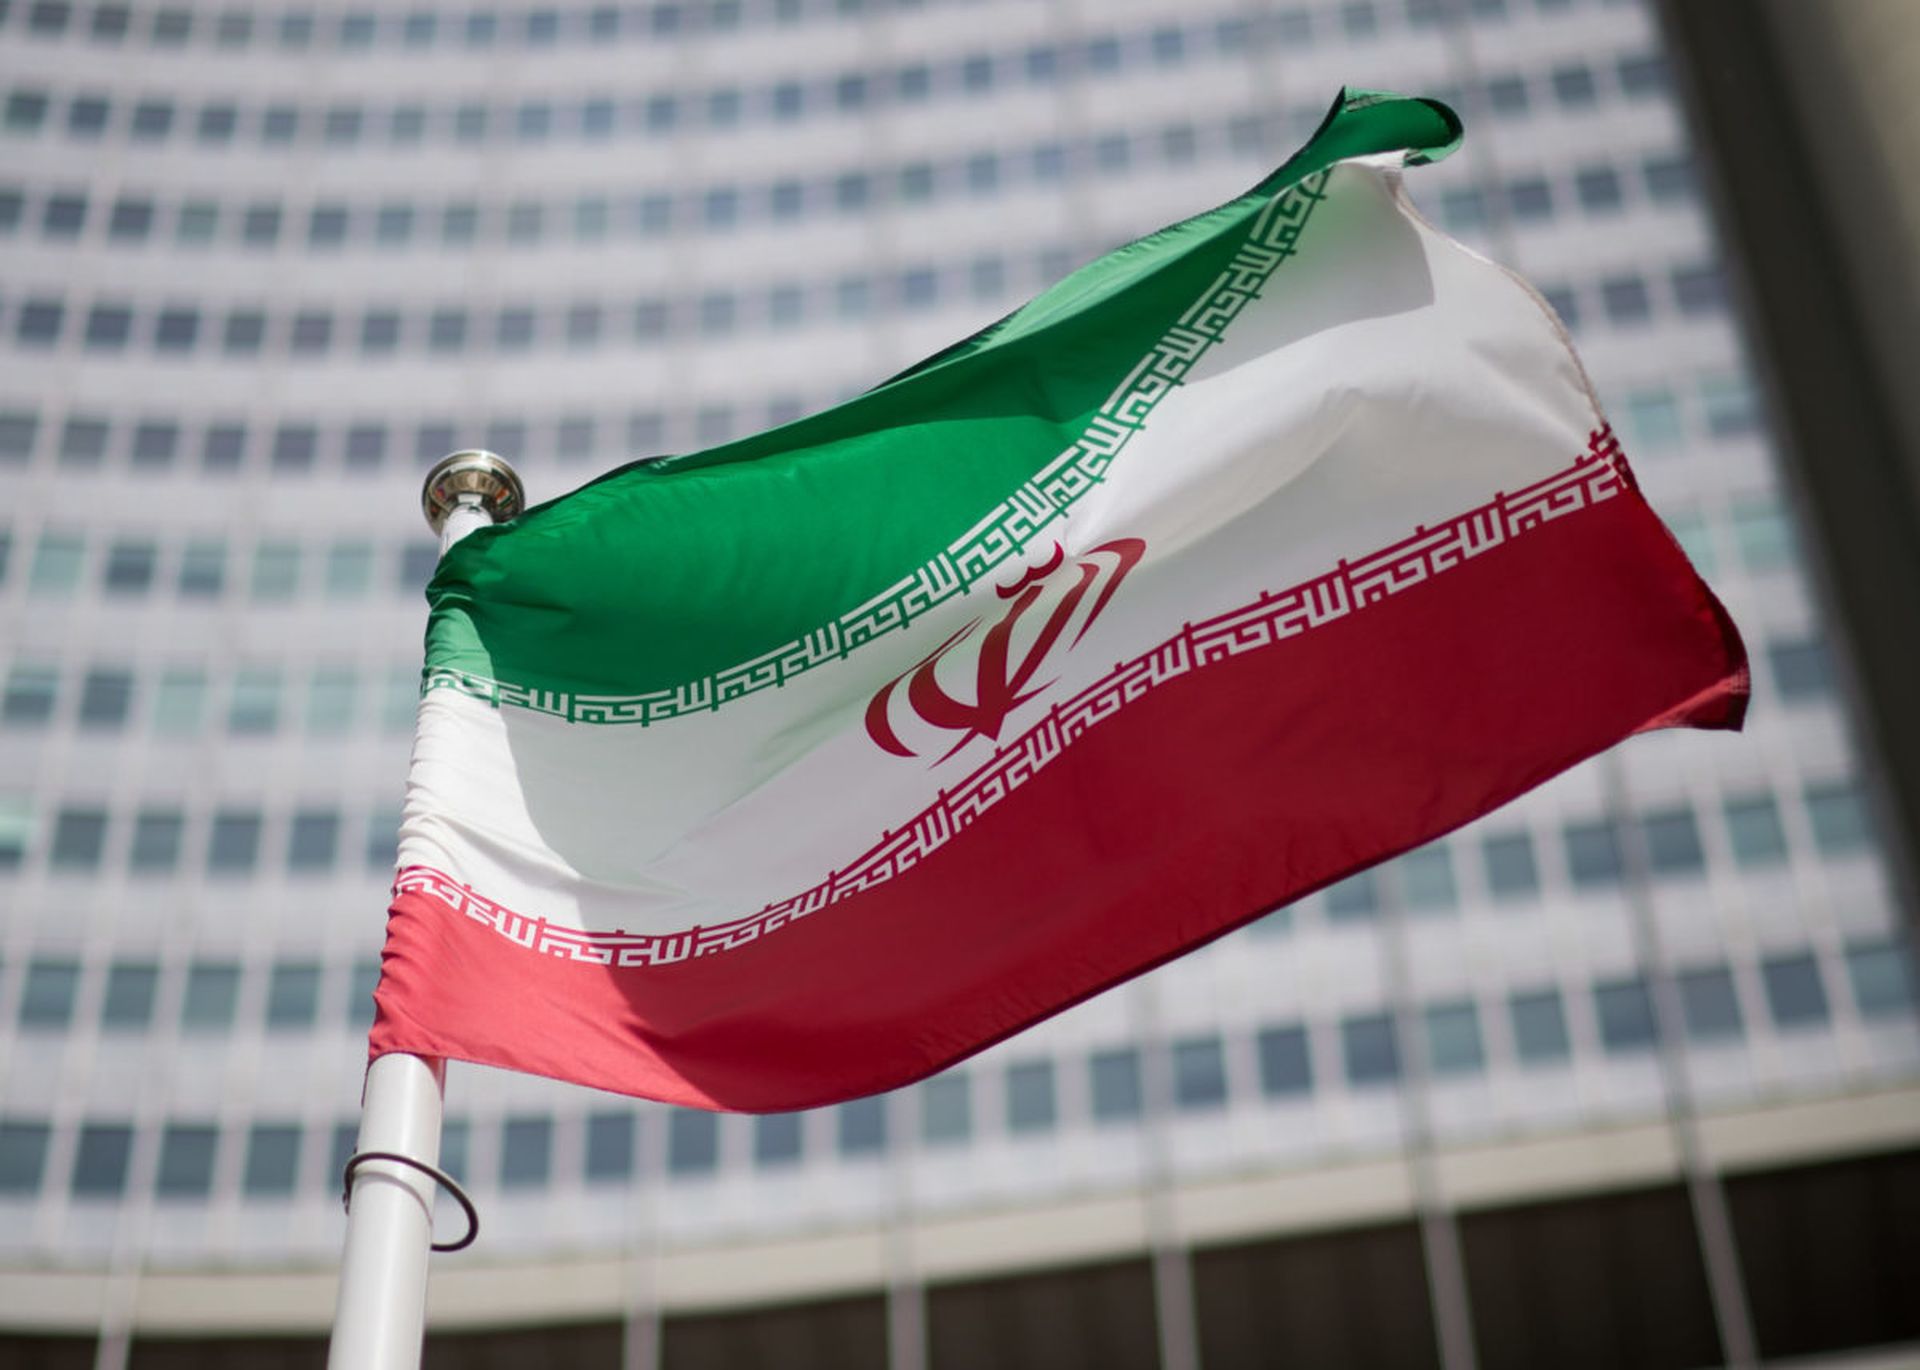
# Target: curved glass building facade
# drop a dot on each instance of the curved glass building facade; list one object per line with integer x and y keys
{"x": 1647, "y": 1031}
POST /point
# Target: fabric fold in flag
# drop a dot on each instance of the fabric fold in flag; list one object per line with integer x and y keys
{"x": 1255, "y": 552}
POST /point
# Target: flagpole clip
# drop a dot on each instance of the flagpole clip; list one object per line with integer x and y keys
{"x": 437, "y": 1175}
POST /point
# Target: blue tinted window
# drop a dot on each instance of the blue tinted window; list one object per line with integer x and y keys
{"x": 946, "y": 1108}
{"x": 776, "y": 1139}
{"x": 1285, "y": 1067}
{"x": 23, "y": 1155}
{"x": 46, "y": 999}
{"x": 1115, "y": 1078}
{"x": 1199, "y": 1074}
{"x": 1710, "y": 1004}
{"x": 186, "y": 1161}
{"x": 1593, "y": 857}
{"x": 862, "y": 1126}
{"x": 1673, "y": 842}
{"x": 128, "y": 1005}
{"x": 609, "y": 1146}
{"x": 1426, "y": 878}
{"x": 693, "y": 1141}
{"x": 1453, "y": 1039}
{"x": 1353, "y": 897}
{"x": 1883, "y": 980}
{"x": 1030, "y": 1101}
{"x": 293, "y": 996}
{"x": 213, "y": 988}
{"x": 526, "y": 1152}
{"x": 1367, "y": 1043}
{"x": 1510, "y": 868}
{"x": 1795, "y": 996}
{"x": 100, "y": 1160}
{"x": 1625, "y": 1009}
{"x": 1800, "y": 669}
{"x": 273, "y": 1159}
{"x": 156, "y": 841}
{"x": 1539, "y": 1026}
{"x": 1754, "y": 831}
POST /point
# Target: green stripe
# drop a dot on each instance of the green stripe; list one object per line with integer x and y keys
{"x": 677, "y": 584}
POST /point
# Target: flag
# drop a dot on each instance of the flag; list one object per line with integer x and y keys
{"x": 1253, "y": 553}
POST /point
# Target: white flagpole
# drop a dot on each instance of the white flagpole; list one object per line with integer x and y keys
{"x": 379, "y": 1319}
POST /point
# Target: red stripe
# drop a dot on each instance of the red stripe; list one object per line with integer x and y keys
{"x": 1204, "y": 803}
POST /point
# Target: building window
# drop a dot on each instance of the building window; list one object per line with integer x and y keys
{"x": 862, "y": 1126}
{"x": 1285, "y": 1067}
{"x": 1673, "y": 843}
{"x": 693, "y": 1141}
{"x": 244, "y": 333}
{"x": 1626, "y": 301}
{"x": 254, "y": 709}
{"x": 1795, "y": 996}
{"x": 213, "y": 989}
{"x": 1115, "y": 1080}
{"x": 1426, "y": 878}
{"x": 1539, "y": 1027}
{"x": 362, "y": 981}
{"x": 1800, "y": 669}
{"x": 776, "y": 1139}
{"x": 179, "y": 702}
{"x": 156, "y": 842}
{"x": 1353, "y": 898}
{"x": 1510, "y": 868}
{"x": 1372, "y": 1055}
{"x": 293, "y": 996}
{"x": 1883, "y": 980}
{"x": 1574, "y": 87}
{"x": 1199, "y": 1074}
{"x": 28, "y": 701}
{"x": 186, "y": 1161}
{"x": 1453, "y": 1039}
{"x": 315, "y": 837}
{"x": 55, "y": 571}
{"x": 366, "y": 445}
{"x": 47, "y": 995}
{"x": 106, "y": 695}
{"x": 1699, "y": 289}
{"x": 1030, "y": 1101}
{"x": 276, "y": 571}
{"x": 1710, "y": 1004}
{"x": 1530, "y": 200}
{"x": 38, "y": 323}
{"x": 526, "y": 1152}
{"x": 79, "y": 836}
{"x": 23, "y": 1155}
{"x": 1754, "y": 832}
{"x": 234, "y": 845}
{"x": 1593, "y": 856}
{"x": 154, "y": 445}
{"x": 1838, "y": 818}
{"x": 609, "y": 1147}
{"x": 100, "y": 1160}
{"x": 1625, "y": 1009}
{"x": 131, "y": 989}
{"x": 1763, "y": 534}
{"x": 260, "y": 225}
{"x": 273, "y": 1160}
{"x": 349, "y": 569}
{"x": 946, "y": 1109}
{"x": 1599, "y": 189}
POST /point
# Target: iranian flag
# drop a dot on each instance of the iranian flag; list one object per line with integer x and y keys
{"x": 1253, "y": 553}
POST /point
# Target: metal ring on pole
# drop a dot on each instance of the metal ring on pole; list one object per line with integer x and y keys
{"x": 439, "y": 1177}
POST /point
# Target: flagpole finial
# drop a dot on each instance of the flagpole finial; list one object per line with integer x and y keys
{"x": 471, "y": 477}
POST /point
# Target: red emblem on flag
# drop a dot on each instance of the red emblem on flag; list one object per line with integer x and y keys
{"x": 1002, "y": 661}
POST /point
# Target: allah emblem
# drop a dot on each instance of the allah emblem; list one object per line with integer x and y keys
{"x": 1053, "y": 606}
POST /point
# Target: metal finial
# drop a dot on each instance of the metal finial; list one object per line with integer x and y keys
{"x": 471, "y": 477}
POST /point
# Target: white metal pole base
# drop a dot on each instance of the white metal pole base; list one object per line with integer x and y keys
{"x": 380, "y": 1318}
